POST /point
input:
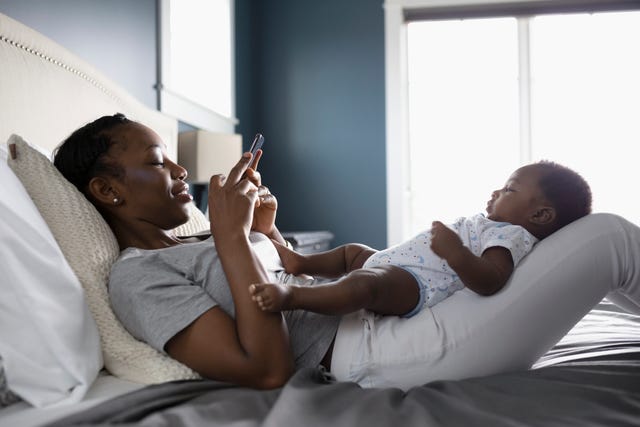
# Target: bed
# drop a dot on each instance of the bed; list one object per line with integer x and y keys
{"x": 65, "y": 359}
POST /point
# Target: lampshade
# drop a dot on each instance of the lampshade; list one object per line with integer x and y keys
{"x": 205, "y": 153}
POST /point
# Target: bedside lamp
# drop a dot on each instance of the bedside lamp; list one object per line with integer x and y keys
{"x": 204, "y": 154}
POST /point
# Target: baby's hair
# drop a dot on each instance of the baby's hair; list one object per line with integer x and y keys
{"x": 567, "y": 191}
{"x": 83, "y": 154}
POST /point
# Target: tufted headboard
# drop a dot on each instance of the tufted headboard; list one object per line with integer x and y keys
{"x": 46, "y": 92}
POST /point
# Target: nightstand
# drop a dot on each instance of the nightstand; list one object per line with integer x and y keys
{"x": 309, "y": 242}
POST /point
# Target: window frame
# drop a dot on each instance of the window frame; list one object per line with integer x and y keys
{"x": 179, "y": 106}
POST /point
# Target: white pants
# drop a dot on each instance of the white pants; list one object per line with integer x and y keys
{"x": 468, "y": 335}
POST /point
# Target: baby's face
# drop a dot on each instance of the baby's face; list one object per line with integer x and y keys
{"x": 518, "y": 199}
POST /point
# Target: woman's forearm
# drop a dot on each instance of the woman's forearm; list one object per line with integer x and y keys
{"x": 263, "y": 336}
{"x": 260, "y": 339}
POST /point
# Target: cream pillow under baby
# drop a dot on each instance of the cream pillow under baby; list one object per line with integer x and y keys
{"x": 90, "y": 247}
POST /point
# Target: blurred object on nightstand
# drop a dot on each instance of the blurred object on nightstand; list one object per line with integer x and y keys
{"x": 309, "y": 242}
{"x": 204, "y": 153}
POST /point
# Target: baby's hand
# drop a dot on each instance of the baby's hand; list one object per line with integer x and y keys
{"x": 444, "y": 241}
{"x": 270, "y": 297}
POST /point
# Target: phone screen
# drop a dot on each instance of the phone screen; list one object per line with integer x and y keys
{"x": 258, "y": 140}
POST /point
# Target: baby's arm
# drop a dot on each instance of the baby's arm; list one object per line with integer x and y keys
{"x": 331, "y": 263}
{"x": 484, "y": 275}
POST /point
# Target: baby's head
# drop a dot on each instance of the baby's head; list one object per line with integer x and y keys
{"x": 542, "y": 197}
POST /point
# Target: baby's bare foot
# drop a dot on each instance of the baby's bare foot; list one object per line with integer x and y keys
{"x": 270, "y": 297}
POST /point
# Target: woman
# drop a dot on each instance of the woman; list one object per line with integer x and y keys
{"x": 122, "y": 168}
{"x": 191, "y": 298}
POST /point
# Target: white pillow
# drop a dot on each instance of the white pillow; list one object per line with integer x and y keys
{"x": 91, "y": 248}
{"x": 48, "y": 340}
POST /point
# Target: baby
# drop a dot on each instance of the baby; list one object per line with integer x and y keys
{"x": 479, "y": 252}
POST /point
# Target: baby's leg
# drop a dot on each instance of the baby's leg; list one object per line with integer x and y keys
{"x": 329, "y": 264}
{"x": 396, "y": 291}
{"x": 384, "y": 290}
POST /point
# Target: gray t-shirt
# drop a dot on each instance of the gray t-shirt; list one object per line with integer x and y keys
{"x": 157, "y": 293}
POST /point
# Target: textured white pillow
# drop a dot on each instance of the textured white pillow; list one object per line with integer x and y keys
{"x": 91, "y": 248}
{"x": 198, "y": 223}
{"x": 49, "y": 343}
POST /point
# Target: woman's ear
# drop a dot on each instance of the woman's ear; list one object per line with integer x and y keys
{"x": 102, "y": 191}
{"x": 544, "y": 215}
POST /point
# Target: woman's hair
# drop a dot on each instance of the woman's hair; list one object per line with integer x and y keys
{"x": 567, "y": 191}
{"x": 83, "y": 154}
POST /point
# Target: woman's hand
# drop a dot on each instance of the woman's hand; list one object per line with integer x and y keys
{"x": 264, "y": 214}
{"x": 232, "y": 200}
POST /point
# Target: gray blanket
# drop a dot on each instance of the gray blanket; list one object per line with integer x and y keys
{"x": 590, "y": 378}
{"x": 584, "y": 393}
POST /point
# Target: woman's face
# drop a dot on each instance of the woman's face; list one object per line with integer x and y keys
{"x": 152, "y": 190}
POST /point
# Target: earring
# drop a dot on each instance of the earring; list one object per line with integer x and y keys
{"x": 116, "y": 200}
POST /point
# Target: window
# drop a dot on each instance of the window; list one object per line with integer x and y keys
{"x": 485, "y": 95}
{"x": 463, "y": 115}
{"x": 196, "y": 76}
{"x": 586, "y": 101}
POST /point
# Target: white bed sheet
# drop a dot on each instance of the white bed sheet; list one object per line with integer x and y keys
{"x": 105, "y": 387}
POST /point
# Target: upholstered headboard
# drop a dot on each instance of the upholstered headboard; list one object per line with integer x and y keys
{"x": 46, "y": 92}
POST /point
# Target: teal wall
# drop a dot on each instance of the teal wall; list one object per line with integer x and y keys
{"x": 118, "y": 37}
{"x": 310, "y": 77}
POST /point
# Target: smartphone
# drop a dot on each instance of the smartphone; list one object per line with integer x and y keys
{"x": 258, "y": 140}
